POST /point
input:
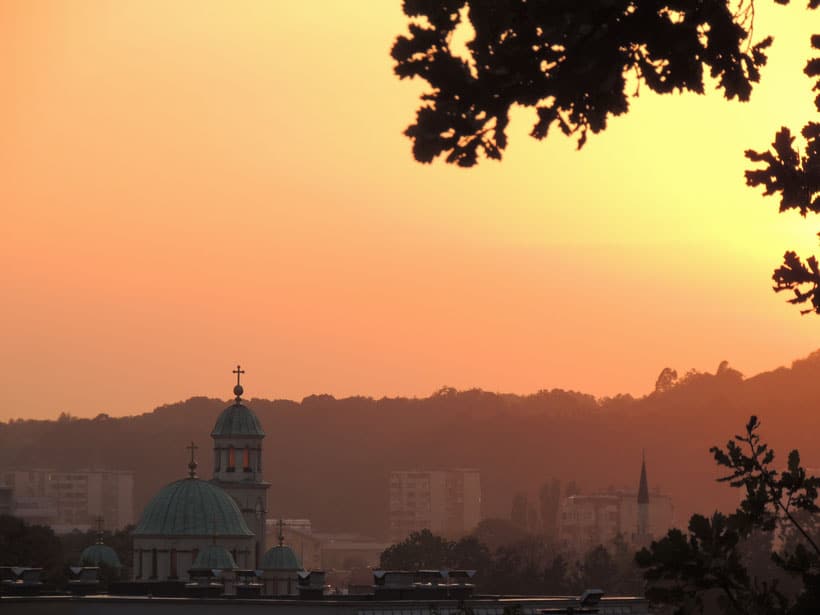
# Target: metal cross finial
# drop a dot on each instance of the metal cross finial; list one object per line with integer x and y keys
{"x": 192, "y": 464}
{"x": 281, "y": 532}
{"x": 238, "y": 371}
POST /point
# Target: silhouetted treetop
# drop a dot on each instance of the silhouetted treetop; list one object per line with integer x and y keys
{"x": 575, "y": 62}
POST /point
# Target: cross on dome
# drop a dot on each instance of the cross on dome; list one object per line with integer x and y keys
{"x": 192, "y": 464}
{"x": 238, "y": 390}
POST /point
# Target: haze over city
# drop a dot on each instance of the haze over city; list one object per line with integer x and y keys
{"x": 185, "y": 186}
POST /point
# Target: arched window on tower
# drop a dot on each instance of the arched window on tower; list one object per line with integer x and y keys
{"x": 246, "y": 465}
{"x": 217, "y": 459}
{"x": 173, "y": 574}
{"x": 231, "y": 459}
{"x": 259, "y": 459}
{"x": 153, "y": 563}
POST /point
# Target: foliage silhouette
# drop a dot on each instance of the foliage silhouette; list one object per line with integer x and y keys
{"x": 571, "y": 61}
{"x": 706, "y": 569}
{"x": 33, "y": 546}
{"x": 796, "y": 178}
{"x": 530, "y": 566}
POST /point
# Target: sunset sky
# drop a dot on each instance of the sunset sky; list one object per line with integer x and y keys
{"x": 188, "y": 185}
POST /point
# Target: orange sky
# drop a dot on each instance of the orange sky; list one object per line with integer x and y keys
{"x": 189, "y": 185}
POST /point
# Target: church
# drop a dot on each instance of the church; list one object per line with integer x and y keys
{"x": 194, "y": 523}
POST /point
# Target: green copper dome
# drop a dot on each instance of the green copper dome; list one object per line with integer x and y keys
{"x": 192, "y": 507}
{"x": 100, "y": 554}
{"x": 280, "y": 558}
{"x": 238, "y": 420}
{"x": 214, "y": 557}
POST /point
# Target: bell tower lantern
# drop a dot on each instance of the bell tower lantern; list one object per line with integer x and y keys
{"x": 237, "y": 437}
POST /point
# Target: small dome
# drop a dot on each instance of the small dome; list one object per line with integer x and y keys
{"x": 214, "y": 557}
{"x": 238, "y": 420}
{"x": 280, "y": 558}
{"x": 192, "y": 507}
{"x": 100, "y": 554}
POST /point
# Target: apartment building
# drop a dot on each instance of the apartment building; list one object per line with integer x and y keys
{"x": 447, "y": 502}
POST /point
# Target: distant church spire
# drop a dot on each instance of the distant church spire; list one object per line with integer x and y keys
{"x": 643, "y": 503}
{"x": 643, "y": 488}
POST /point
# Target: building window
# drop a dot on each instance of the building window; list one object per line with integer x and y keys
{"x": 173, "y": 574}
{"x": 217, "y": 459}
{"x": 139, "y": 563}
{"x": 231, "y": 459}
{"x": 246, "y": 465}
{"x": 153, "y": 563}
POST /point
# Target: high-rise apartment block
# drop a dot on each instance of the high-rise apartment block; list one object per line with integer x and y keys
{"x": 71, "y": 500}
{"x": 447, "y": 502}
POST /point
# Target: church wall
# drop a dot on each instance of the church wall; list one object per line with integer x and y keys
{"x": 244, "y": 483}
{"x": 184, "y": 549}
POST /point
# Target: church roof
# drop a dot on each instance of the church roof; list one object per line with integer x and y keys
{"x": 238, "y": 420}
{"x": 192, "y": 507}
{"x": 280, "y": 558}
{"x": 214, "y": 557}
{"x": 99, "y": 553}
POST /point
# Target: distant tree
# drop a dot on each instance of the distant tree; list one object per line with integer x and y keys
{"x": 533, "y": 519}
{"x": 556, "y": 577}
{"x": 666, "y": 380}
{"x": 724, "y": 370}
{"x": 498, "y": 532}
{"x": 520, "y": 508}
{"x": 425, "y": 550}
{"x": 597, "y": 569}
{"x": 421, "y": 550}
{"x": 469, "y": 553}
{"x": 33, "y": 546}
{"x": 578, "y": 64}
{"x": 519, "y": 568}
{"x": 549, "y": 499}
{"x": 707, "y": 570}
{"x": 628, "y": 578}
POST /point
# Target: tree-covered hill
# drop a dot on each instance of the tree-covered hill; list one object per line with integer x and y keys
{"x": 328, "y": 459}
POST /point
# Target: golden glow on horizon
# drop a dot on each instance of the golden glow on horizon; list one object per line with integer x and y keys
{"x": 185, "y": 186}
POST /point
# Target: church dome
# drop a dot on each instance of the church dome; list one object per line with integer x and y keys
{"x": 214, "y": 557}
{"x": 100, "y": 554}
{"x": 280, "y": 558}
{"x": 237, "y": 420}
{"x": 192, "y": 507}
